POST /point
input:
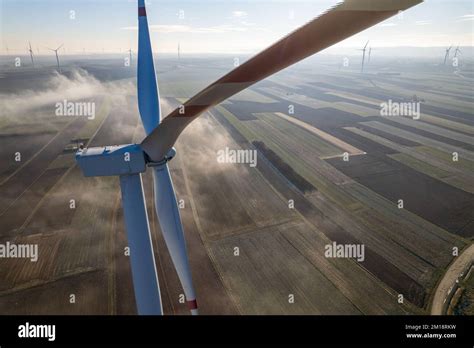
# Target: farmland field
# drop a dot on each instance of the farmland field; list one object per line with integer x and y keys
{"x": 329, "y": 168}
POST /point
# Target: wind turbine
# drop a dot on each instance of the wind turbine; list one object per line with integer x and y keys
{"x": 130, "y": 56}
{"x": 156, "y": 150}
{"x": 57, "y": 57}
{"x": 363, "y": 56}
{"x": 446, "y": 56}
{"x": 31, "y": 54}
{"x": 456, "y": 51}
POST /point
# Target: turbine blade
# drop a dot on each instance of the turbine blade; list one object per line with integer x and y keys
{"x": 142, "y": 259}
{"x": 165, "y": 198}
{"x": 340, "y": 22}
{"x": 147, "y": 89}
{"x": 172, "y": 229}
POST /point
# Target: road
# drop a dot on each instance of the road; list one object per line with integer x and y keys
{"x": 449, "y": 279}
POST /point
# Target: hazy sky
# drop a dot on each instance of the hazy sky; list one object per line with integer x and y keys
{"x": 212, "y": 26}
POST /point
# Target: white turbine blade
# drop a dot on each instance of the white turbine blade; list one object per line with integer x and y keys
{"x": 172, "y": 229}
{"x": 340, "y": 22}
{"x": 142, "y": 259}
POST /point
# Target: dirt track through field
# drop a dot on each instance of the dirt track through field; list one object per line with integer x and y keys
{"x": 450, "y": 278}
{"x": 328, "y": 137}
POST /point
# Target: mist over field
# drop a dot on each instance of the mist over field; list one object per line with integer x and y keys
{"x": 78, "y": 84}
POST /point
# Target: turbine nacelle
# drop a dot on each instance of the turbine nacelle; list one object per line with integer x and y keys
{"x": 117, "y": 160}
{"x": 112, "y": 160}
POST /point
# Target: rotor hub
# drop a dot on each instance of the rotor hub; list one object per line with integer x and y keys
{"x": 169, "y": 156}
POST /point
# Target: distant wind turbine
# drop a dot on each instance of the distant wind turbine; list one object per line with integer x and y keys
{"x": 130, "y": 54}
{"x": 363, "y": 56}
{"x": 57, "y": 57}
{"x": 446, "y": 57}
{"x": 456, "y": 51}
{"x": 31, "y": 54}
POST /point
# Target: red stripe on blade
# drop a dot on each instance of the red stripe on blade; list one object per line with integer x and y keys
{"x": 192, "y": 304}
{"x": 141, "y": 12}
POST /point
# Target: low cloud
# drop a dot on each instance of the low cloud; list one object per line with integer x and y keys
{"x": 78, "y": 85}
{"x": 468, "y": 17}
{"x": 239, "y": 14}
{"x": 422, "y": 22}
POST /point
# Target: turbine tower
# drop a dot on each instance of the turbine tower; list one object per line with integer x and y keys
{"x": 57, "y": 57}
{"x": 129, "y": 161}
{"x": 363, "y": 56}
{"x": 446, "y": 56}
{"x": 130, "y": 56}
{"x": 31, "y": 54}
